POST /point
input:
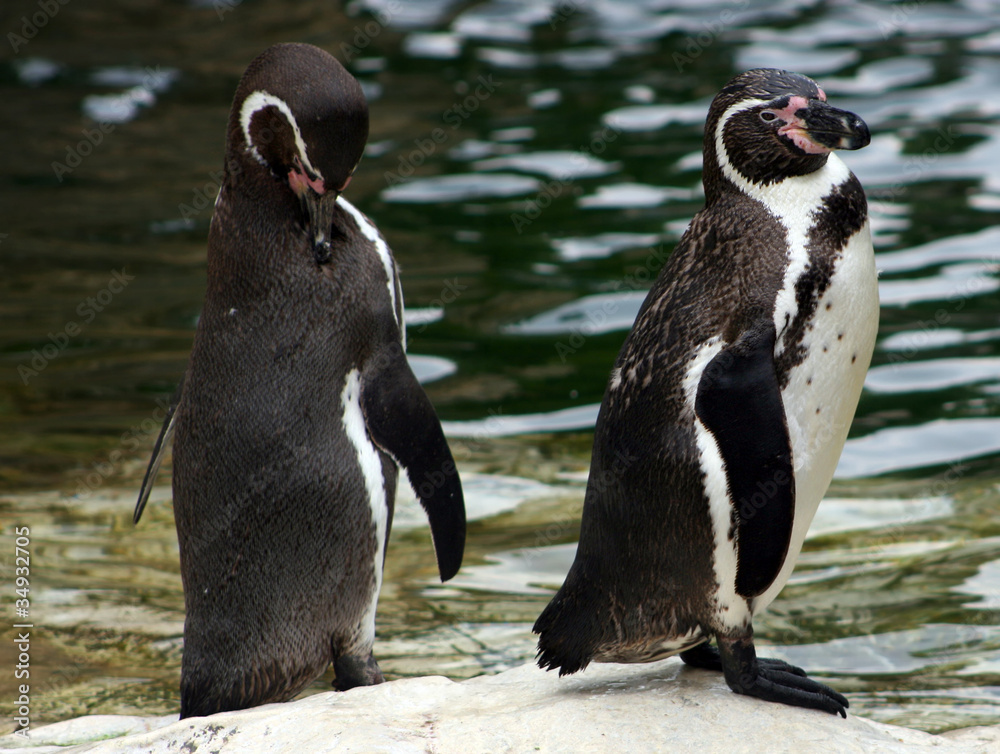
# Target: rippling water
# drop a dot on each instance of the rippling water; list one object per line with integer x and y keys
{"x": 531, "y": 164}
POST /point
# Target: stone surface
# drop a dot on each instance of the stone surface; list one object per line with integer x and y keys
{"x": 657, "y": 707}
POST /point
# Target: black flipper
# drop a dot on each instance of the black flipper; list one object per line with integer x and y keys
{"x": 166, "y": 432}
{"x": 401, "y": 421}
{"x": 746, "y": 675}
{"x": 739, "y": 401}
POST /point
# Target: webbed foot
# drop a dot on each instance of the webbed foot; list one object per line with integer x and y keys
{"x": 745, "y": 674}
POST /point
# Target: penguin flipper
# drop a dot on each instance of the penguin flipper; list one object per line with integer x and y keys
{"x": 739, "y": 402}
{"x": 159, "y": 450}
{"x": 402, "y": 422}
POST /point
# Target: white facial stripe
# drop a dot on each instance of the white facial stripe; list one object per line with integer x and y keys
{"x": 371, "y": 469}
{"x": 722, "y": 155}
{"x": 382, "y": 248}
{"x": 733, "y": 610}
{"x": 792, "y": 201}
{"x": 257, "y": 102}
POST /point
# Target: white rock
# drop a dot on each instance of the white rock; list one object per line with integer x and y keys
{"x": 630, "y": 708}
{"x": 90, "y": 728}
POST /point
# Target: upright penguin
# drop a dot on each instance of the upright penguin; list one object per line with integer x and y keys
{"x": 729, "y": 403}
{"x": 296, "y": 407}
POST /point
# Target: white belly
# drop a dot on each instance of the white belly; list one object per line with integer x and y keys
{"x": 823, "y": 391}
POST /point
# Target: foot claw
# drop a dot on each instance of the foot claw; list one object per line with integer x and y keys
{"x": 774, "y": 680}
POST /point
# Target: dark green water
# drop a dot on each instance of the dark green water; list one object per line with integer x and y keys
{"x": 530, "y": 164}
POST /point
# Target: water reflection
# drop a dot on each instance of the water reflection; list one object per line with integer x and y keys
{"x": 459, "y": 188}
{"x": 900, "y": 577}
{"x": 936, "y": 374}
{"x": 603, "y": 312}
{"x": 936, "y": 443}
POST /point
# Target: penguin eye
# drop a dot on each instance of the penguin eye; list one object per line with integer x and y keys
{"x": 767, "y": 116}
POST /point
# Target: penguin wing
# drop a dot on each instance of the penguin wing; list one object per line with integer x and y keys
{"x": 401, "y": 420}
{"x": 159, "y": 450}
{"x": 739, "y": 402}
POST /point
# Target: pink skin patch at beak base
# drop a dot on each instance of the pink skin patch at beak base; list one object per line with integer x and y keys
{"x": 795, "y": 127}
{"x": 299, "y": 181}
{"x": 800, "y": 138}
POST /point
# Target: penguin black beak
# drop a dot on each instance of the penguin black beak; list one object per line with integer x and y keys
{"x": 832, "y": 128}
{"x": 319, "y": 210}
{"x": 318, "y": 203}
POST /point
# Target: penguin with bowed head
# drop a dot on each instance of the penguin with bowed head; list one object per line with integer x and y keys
{"x": 729, "y": 403}
{"x": 297, "y": 406}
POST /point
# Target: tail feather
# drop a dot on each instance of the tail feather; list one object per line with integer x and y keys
{"x": 569, "y": 630}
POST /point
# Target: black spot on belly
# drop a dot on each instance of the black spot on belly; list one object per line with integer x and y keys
{"x": 829, "y": 306}
{"x": 840, "y": 336}
{"x": 817, "y": 410}
{"x": 842, "y": 214}
{"x": 809, "y": 381}
{"x": 825, "y": 349}
{"x": 854, "y": 357}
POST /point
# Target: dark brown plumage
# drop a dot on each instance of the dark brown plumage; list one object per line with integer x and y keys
{"x": 296, "y": 406}
{"x": 710, "y": 451}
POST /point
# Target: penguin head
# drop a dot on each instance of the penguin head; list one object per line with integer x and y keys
{"x": 298, "y": 124}
{"x": 768, "y": 125}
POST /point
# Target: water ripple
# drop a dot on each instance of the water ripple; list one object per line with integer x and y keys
{"x": 591, "y": 315}
{"x": 563, "y": 165}
{"x": 936, "y": 443}
{"x": 459, "y": 188}
{"x": 938, "y": 374}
